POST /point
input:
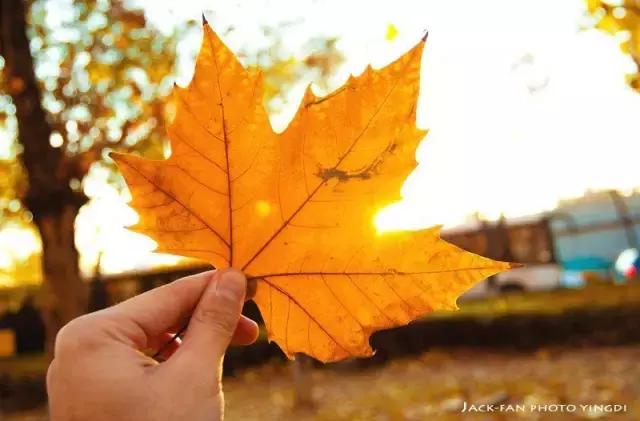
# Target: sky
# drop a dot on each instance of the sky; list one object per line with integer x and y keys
{"x": 524, "y": 105}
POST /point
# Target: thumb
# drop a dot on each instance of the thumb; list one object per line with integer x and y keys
{"x": 214, "y": 320}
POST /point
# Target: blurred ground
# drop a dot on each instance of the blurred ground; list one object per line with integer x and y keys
{"x": 434, "y": 385}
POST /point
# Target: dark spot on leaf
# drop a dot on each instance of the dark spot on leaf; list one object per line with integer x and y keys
{"x": 328, "y": 173}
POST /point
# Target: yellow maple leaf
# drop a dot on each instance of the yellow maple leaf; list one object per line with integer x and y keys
{"x": 294, "y": 210}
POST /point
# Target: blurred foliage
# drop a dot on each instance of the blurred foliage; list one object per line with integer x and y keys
{"x": 27, "y": 269}
{"x": 12, "y": 188}
{"x": 596, "y": 296}
{"x": 283, "y": 70}
{"x": 392, "y": 32}
{"x": 103, "y": 75}
{"x": 622, "y": 19}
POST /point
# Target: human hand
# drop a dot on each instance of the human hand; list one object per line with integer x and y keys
{"x": 99, "y": 371}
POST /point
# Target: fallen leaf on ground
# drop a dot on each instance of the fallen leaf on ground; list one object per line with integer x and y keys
{"x": 294, "y": 211}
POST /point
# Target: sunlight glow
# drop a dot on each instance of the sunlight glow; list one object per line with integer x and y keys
{"x": 263, "y": 208}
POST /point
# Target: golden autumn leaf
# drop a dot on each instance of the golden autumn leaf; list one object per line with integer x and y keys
{"x": 295, "y": 210}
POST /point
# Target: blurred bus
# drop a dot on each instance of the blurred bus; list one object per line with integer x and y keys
{"x": 567, "y": 247}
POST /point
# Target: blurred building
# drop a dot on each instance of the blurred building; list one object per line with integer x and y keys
{"x": 591, "y": 231}
{"x": 577, "y": 241}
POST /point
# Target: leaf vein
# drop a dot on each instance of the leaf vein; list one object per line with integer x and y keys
{"x": 193, "y": 212}
{"x": 283, "y": 292}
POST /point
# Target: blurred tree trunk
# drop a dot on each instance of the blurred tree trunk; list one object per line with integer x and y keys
{"x": 303, "y": 382}
{"x": 50, "y": 199}
{"x": 67, "y": 291}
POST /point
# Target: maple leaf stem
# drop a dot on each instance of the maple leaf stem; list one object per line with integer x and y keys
{"x": 166, "y": 345}
{"x": 251, "y": 292}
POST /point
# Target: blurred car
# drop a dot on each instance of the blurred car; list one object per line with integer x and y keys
{"x": 628, "y": 264}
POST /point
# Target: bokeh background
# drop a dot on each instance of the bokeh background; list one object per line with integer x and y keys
{"x": 532, "y": 156}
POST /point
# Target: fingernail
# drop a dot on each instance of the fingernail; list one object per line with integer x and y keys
{"x": 232, "y": 283}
